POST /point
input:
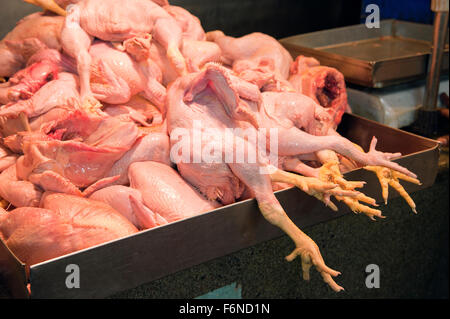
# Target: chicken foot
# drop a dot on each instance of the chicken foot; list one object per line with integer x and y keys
{"x": 306, "y": 248}
{"x": 330, "y": 172}
{"x": 273, "y": 212}
{"x": 387, "y": 177}
{"x": 313, "y": 186}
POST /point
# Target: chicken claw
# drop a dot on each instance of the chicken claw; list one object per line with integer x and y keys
{"x": 310, "y": 255}
{"x": 357, "y": 207}
{"x": 49, "y": 5}
{"x": 387, "y": 177}
{"x": 330, "y": 172}
{"x": 306, "y": 248}
{"x": 313, "y": 186}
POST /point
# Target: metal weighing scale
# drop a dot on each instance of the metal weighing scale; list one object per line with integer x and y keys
{"x": 392, "y": 72}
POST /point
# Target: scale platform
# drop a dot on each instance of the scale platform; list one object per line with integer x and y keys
{"x": 395, "y": 106}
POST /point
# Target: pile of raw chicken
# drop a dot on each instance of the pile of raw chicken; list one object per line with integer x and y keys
{"x": 91, "y": 92}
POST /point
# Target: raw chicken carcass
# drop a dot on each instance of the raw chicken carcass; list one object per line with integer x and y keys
{"x": 325, "y": 85}
{"x": 118, "y": 21}
{"x": 304, "y": 131}
{"x": 166, "y": 193}
{"x": 190, "y": 24}
{"x": 26, "y": 82}
{"x": 33, "y": 33}
{"x": 213, "y": 99}
{"x": 196, "y": 53}
{"x": 77, "y": 152}
{"x": 61, "y": 92}
{"x": 62, "y": 225}
{"x": 256, "y": 57}
{"x": 17, "y": 192}
{"x": 114, "y": 76}
{"x": 131, "y": 77}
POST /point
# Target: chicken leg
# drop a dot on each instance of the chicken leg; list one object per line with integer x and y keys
{"x": 76, "y": 42}
{"x": 388, "y": 176}
{"x": 391, "y": 177}
{"x": 330, "y": 172}
{"x": 273, "y": 212}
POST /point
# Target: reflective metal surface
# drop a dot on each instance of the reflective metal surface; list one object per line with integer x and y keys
{"x": 396, "y": 52}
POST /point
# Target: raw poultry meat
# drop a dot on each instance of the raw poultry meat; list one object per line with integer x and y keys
{"x": 190, "y": 25}
{"x": 26, "y": 82}
{"x": 150, "y": 147}
{"x": 61, "y": 92}
{"x": 217, "y": 99}
{"x": 137, "y": 109}
{"x": 63, "y": 224}
{"x": 78, "y": 151}
{"x": 165, "y": 191}
{"x": 295, "y": 115}
{"x": 118, "y": 20}
{"x": 196, "y": 53}
{"x": 78, "y": 173}
{"x": 325, "y": 85}
{"x": 7, "y": 158}
{"x": 114, "y": 76}
{"x": 18, "y": 192}
{"x": 34, "y": 32}
{"x": 128, "y": 201}
{"x": 132, "y": 77}
{"x": 213, "y": 98}
{"x": 305, "y": 129}
{"x": 256, "y": 57}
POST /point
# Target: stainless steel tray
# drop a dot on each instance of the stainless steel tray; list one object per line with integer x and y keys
{"x": 396, "y": 52}
{"x": 151, "y": 254}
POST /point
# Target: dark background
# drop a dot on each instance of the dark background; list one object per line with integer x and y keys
{"x": 278, "y": 18}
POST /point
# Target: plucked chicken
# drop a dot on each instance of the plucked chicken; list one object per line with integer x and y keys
{"x": 117, "y": 116}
